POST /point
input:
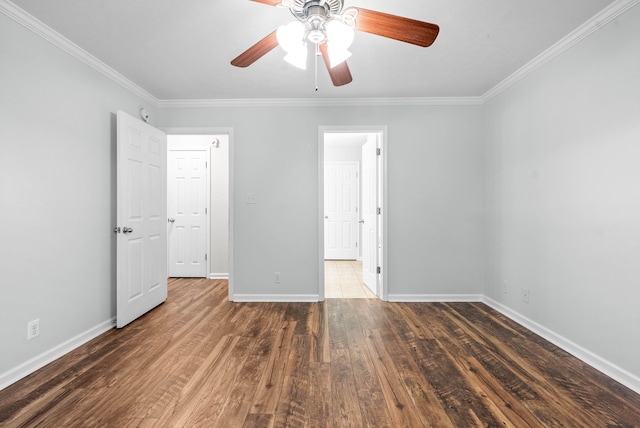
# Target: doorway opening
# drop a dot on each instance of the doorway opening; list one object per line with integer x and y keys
{"x": 352, "y": 206}
{"x": 198, "y": 202}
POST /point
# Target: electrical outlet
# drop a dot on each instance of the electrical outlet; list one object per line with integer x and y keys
{"x": 276, "y": 277}
{"x": 525, "y": 295}
{"x": 505, "y": 287}
{"x": 33, "y": 329}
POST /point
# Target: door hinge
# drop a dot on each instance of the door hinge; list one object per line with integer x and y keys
{"x": 205, "y": 257}
{"x": 206, "y": 165}
{"x": 378, "y": 151}
{"x": 378, "y": 270}
{"x": 379, "y": 210}
{"x": 205, "y": 210}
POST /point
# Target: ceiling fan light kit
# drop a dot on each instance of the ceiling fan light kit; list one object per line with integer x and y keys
{"x": 330, "y": 29}
{"x": 316, "y": 26}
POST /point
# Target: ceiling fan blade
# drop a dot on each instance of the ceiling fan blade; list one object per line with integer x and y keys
{"x": 256, "y": 51}
{"x": 396, "y": 27}
{"x": 269, "y": 2}
{"x": 340, "y": 74}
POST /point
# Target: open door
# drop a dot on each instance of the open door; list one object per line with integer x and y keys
{"x": 141, "y": 217}
{"x": 370, "y": 214}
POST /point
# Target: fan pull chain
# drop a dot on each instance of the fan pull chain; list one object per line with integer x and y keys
{"x": 316, "y": 67}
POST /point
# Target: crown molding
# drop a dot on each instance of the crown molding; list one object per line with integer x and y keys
{"x": 608, "y": 14}
{"x": 324, "y": 102}
{"x": 38, "y": 27}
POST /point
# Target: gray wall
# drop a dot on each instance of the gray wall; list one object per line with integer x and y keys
{"x": 220, "y": 208}
{"x": 563, "y": 193}
{"x": 57, "y": 193}
{"x": 435, "y": 169}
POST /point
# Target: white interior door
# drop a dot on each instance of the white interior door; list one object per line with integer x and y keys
{"x": 370, "y": 214}
{"x": 187, "y": 210}
{"x": 341, "y": 210}
{"x": 141, "y": 217}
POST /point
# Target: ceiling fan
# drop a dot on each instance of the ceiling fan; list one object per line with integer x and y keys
{"x": 330, "y": 28}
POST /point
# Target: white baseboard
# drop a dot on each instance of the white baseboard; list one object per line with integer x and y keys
{"x": 214, "y": 275}
{"x": 624, "y": 377}
{"x": 275, "y": 298}
{"x": 52, "y": 354}
{"x": 435, "y": 298}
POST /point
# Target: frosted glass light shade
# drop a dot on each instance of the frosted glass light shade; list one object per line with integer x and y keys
{"x": 339, "y": 39}
{"x": 291, "y": 36}
{"x": 339, "y": 34}
{"x": 297, "y": 57}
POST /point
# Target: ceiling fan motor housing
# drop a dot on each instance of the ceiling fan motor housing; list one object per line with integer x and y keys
{"x": 315, "y": 14}
{"x": 305, "y": 9}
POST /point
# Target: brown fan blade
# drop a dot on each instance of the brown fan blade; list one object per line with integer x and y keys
{"x": 340, "y": 74}
{"x": 256, "y": 51}
{"x": 396, "y": 27}
{"x": 269, "y": 2}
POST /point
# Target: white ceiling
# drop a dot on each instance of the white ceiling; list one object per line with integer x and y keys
{"x": 182, "y": 49}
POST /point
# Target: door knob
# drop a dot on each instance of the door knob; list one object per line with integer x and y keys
{"x": 127, "y": 230}
{"x": 171, "y": 220}
{"x": 326, "y": 216}
{"x": 361, "y": 222}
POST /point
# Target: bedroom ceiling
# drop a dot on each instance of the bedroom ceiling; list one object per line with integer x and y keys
{"x": 182, "y": 49}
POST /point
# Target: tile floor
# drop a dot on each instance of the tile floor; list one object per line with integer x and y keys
{"x": 343, "y": 279}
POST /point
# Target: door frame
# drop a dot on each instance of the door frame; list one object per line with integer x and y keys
{"x": 382, "y": 132}
{"x": 230, "y": 133}
{"x": 187, "y": 148}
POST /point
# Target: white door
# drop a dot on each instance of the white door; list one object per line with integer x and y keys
{"x": 141, "y": 217}
{"x": 341, "y": 210}
{"x": 187, "y": 211}
{"x": 370, "y": 214}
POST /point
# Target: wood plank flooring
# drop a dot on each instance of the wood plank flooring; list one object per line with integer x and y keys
{"x": 201, "y": 361}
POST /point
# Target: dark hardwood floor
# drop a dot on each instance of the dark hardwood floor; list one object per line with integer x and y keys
{"x": 199, "y": 360}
